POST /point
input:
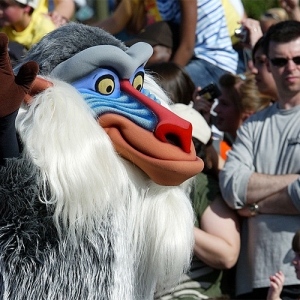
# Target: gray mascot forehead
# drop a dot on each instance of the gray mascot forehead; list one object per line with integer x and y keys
{"x": 88, "y": 60}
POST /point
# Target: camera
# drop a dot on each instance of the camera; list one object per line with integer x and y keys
{"x": 241, "y": 33}
{"x": 210, "y": 92}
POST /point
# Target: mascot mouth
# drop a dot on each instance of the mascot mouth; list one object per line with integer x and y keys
{"x": 165, "y": 163}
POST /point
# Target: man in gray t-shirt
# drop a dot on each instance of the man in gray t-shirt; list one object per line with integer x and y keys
{"x": 261, "y": 175}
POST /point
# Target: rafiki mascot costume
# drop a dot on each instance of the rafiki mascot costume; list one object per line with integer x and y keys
{"x": 92, "y": 164}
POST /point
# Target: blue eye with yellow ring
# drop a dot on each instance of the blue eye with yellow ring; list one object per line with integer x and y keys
{"x": 105, "y": 85}
{"x": 137, "y": 79}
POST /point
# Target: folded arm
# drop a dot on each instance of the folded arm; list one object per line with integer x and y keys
{"x": 262, "y": 186}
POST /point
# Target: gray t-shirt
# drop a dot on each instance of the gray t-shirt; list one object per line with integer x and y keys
{"x": 268, "y": 143}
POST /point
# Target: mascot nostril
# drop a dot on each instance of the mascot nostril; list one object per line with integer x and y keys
{"x": 175, "y": 134}
{"x": 92, "y": 205}
{"x": 173, "y": 139}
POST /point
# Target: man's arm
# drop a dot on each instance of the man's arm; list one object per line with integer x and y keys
{"x": 279, "y": 203}
{"x": 262, "y": 186}
{"x": 238, "y": 168}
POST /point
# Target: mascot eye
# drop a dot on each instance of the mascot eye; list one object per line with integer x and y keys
{"x": 138, "y": 81}
{"x": 105, "y": 85}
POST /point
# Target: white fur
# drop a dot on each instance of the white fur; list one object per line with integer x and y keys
{"x": 90, "y": 183}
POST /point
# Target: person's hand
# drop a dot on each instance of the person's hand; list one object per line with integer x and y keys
{"x": 292, "y": 8}
{"x": 245, "y": 212}
{"x": 13, "y": 88}
{"x": 202, "y": 105}
{"x": 289, "y": 5}
{"x": 57, "y": 18}
{"x": 248, "y": 211}
{"x": 276, "y": 285}
{"x": 254, "y": 31}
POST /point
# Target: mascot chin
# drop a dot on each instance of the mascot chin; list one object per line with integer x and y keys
{"x": 92, "y": 167}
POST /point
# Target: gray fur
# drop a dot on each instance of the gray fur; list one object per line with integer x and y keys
{"x": 33, "y": 252}
{"x": 64, "y": 42}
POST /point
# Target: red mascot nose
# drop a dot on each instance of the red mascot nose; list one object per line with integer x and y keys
{"x": 170, "y": 128}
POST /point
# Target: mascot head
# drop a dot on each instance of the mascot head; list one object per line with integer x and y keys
{"x": 112, "y": 80}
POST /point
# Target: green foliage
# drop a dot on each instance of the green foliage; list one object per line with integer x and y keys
{"x": 254, "y": 8}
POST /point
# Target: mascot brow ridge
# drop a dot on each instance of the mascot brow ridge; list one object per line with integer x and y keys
{"x": 92, "y": 166}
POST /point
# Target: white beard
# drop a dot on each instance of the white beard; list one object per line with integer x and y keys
{"x": 146, "y": 229}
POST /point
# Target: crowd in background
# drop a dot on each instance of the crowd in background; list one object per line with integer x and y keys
{"x": 237, "y": 80}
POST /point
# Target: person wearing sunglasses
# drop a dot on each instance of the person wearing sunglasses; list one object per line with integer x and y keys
{"x": 260, "y": 178}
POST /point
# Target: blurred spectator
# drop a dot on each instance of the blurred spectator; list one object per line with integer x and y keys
{"x": 204, "y": 44}
{"x": 130, "y": 16}
{"x": 20, "y": 24}
{"x": 260, "y": 178}
{"x": 272, "y": 16}
{"x": 264, "y": 79}
{"x": 200, "y": 36}
{"x": 239, "y": 99}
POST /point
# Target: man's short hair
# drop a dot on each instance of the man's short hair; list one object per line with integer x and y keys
{"x": 282, "y": 32}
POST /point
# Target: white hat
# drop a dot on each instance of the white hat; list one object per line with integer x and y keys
{"x": 32, "y": 3}
{"x": 201, "y": 129}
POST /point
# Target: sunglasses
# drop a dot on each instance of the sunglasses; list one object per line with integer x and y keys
{"x": 281, "y": 62}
